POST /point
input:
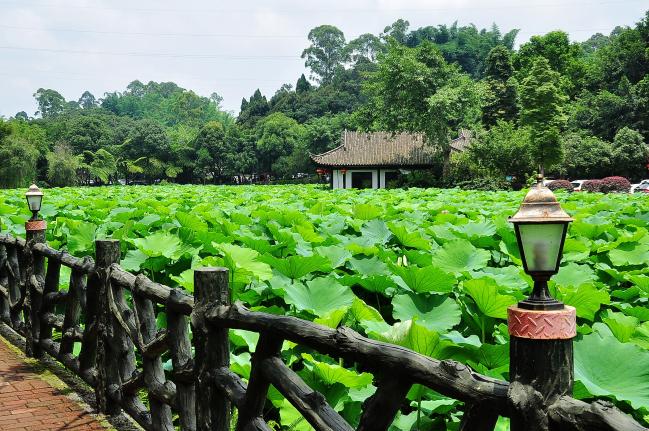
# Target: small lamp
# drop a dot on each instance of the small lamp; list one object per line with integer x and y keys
{"x": 34, "y": 200}
{"x": 541, "y": 226}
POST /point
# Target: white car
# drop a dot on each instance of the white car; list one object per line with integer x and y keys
{"x": 635, "y": 186}
{"x": 576, "y": 184}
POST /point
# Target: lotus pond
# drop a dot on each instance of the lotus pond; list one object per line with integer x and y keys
{"x": 432, "y": 270}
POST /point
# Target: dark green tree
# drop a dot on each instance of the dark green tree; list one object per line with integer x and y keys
{"x": 214, "y": 152}
{"x": 254, "y": 110}
{"x": 303, "y": 85}
{"x": 542, "y": 105}
{"x": 630, "y": 154}
{"x": 277, "y": 136}
{"x": 501, "y": 88}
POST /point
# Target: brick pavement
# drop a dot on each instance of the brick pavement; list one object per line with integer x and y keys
{"x": 33, "y": 399}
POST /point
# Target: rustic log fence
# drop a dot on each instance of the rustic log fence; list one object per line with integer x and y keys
{"x": 112, "y": 314}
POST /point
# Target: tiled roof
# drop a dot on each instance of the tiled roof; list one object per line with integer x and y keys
{"x": 384, "y": 149}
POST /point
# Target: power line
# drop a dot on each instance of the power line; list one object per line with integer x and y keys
{"x": 155, "y": 54}
{"x": 317, "y": 11}
{"x": 219, "y": 35}
{"x": 139, "y": 33}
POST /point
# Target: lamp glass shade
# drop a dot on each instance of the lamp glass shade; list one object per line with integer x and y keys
{"x": 34, "y": 202}
{"x": 541, "y": 245}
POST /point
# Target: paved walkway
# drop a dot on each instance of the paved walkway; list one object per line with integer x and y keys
{"x": 33, "y": 399}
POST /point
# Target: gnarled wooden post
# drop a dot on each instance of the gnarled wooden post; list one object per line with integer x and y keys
{"x": 541, "y": 368}
{"x": 212, "y": 349}
{"x": 35, "y": 281}
{"x": 107, "y": 252}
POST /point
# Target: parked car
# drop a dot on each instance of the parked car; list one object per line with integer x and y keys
{"x": 635, "y": 186}
{"x": 577, "y": 184}
{"x": 643, "y": 187}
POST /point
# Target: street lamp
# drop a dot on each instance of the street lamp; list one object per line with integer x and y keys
{"x": 541, "y": 226}
{"x": 34, "y": 199}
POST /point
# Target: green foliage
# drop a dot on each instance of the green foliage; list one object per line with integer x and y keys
{"x": 542, "y": 111}
{"x": 326, "y": 54}
{"x": 62, "y": 166}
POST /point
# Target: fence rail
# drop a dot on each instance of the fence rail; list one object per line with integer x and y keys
{"x": 105, "y": 328}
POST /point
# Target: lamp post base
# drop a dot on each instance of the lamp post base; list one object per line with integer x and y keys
{"x": 541, "y": 356}
{"x": 35, "y": 225}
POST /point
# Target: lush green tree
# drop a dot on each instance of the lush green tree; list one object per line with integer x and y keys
{"x": 50, "y": 102}
{"x": 277, "y": 136}
{"x": 502, "y": 151}
{"x": 542, "y": 105}
{"x": 563, "y": 56}
{"x": 586, "y": 157}
{"x": 87, "y": 133}
{"x": 19, "y": 158}
{"x": 501, "y": 88}
{"x": 213, "y": 152}
{"x": 326, "y": 54}
{"x": 601, "y": 113}
{"x": 630, "y": 154}
{"x": 415, "y": 90}
{"x": 325, "y": 133}
{"x": 147, "y": 139}
{"x": 62, "y": 165}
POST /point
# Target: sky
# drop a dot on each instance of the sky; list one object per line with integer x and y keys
{"x": 234, "y": 47}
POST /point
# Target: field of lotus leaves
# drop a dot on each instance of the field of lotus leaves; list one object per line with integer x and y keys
{"x": 433, "y": 270}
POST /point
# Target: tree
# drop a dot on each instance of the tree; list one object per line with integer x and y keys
{"x": 87, "y": 100}
{"x": 22, "y": 116}
{"x": 630, "y": 154}
{"x": 87, "y": 133}
{"x": 303, "y": 85}
{"x": 62, "y": 166}
{"x": 50, "y": 102}
{"x": 542, "y": 111}
{"x": 398, "y": 31}
{"x": 503, "y": 151}
{"x": 586, "y": 157}
{"x": 501, "y": 93}
{"x": 364, "y": 49}
{"x": 563, "y": 57}
{"x": 327, "y": 53}
{"x": 277, "y": 136}
{"x": 213, "y": 152}
{"x": 416, "y": 90}
{"x": 19, "y": 157}
{"x": 254, "y": 110}
{"x": 147, "y": 139}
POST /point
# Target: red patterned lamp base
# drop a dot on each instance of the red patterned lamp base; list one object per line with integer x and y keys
{"x": 34, "y": 225}
{"x": 542, "y": 325}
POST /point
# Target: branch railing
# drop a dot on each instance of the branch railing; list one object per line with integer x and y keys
{"x": 113, "y": 316}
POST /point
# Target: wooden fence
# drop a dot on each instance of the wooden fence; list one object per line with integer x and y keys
{"x": 113, "y": 315}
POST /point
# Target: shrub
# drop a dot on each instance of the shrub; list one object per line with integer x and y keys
{"x": 615, "y": 185}
{"x": 561, "y": 185}
{"x": 485, "y": 184}
{"x": 592, "y": 186}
